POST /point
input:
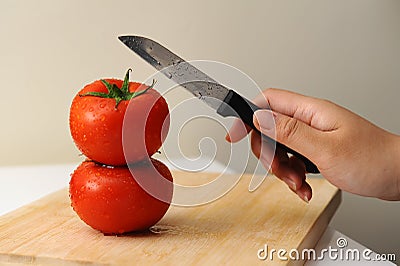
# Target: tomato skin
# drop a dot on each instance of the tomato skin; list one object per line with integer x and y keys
{"x": 111, "y": 201}
{"x": 96, "y": 124}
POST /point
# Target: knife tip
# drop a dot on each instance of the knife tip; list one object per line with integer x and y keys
{"x": 132, "y": 40}
{"x": 123, "y": 38}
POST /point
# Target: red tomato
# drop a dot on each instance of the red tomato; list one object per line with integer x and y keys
{"x": 111, "y": 201}
{"x": 97, "y": 119}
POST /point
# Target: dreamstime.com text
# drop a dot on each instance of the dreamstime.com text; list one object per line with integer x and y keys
{"x": 339, "y": 253}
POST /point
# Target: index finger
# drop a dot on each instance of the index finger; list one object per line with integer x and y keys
{"x": 237, "y": 131}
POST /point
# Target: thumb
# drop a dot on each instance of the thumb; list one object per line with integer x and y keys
{"x": 289, "y": 131}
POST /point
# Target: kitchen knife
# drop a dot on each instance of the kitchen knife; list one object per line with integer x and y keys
{"x": 225, "y": 101}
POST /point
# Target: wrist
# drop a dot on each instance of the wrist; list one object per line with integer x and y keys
{"x": 395, "y": 157}
{"x": 390, "y": 172}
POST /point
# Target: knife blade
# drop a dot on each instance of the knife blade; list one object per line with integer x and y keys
{"x": 225, "y": 101}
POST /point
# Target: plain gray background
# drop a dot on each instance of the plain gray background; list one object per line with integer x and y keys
{"x": 347, "y": 51}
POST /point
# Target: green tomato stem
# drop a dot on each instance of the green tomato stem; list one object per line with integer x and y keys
{"x": 119, "y": 94}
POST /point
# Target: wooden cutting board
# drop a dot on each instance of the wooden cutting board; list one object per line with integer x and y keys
{"x": 229, "y": 230}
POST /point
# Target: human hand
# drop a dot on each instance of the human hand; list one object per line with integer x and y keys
{"x": 350, "y": 152}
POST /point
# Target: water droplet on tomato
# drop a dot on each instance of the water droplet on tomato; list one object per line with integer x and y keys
{"x": 102, "y": 117}
{"x": 91, "y": 109}
{"x": 102, "y": 105}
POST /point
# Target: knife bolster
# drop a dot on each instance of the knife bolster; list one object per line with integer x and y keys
{"x": 237, "y": 106}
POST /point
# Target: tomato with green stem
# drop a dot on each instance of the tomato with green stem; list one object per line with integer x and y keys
{"x": 97, "y": 123}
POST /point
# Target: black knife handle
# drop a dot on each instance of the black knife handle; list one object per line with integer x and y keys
{"x": 236, "y": 105}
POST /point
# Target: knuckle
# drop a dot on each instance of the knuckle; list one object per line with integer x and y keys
{"x": 326, "y": 102}
{"x": 287, "y": 129}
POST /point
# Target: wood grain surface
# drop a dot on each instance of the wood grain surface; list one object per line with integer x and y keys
{"x": 228, "y": 231}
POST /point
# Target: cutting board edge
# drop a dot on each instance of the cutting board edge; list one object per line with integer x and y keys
{"x": 13, "y": 259}
{"x": 319, "y": 226}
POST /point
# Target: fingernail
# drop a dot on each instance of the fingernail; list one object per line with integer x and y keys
{"x": 264, "y": 119}
{"x": 290, "y": 183}
{"x": 305, "y": 199}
